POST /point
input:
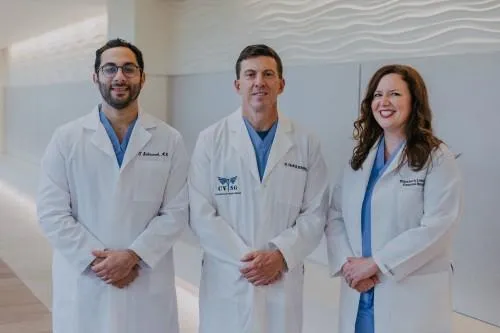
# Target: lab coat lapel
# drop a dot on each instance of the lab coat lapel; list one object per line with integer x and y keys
{"x": 280, "y": 146}
{"x": 242, "y": 143}
{"x": 139, "y": 138}
{"x": 358, "y": 194}
{"x": 394, "y": 163}
{"x": 99, "y": 138}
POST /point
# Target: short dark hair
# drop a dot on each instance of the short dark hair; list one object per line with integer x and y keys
{"x": 118, "y": 42}
{"x": 259, "y": 50}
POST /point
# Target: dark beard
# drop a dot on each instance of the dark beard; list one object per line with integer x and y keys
{"x": 133, "y": 91}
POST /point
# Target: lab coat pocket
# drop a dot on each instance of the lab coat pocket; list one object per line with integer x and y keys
{"x": 411, "y": 202}
{"x": 150, "y": 180}
{"x": 292, "y": 184}
{"x": 430, "y": 307}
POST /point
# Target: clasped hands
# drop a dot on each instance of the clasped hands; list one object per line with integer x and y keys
{"x": 360, "y": 273}
{"x": 116, "y": 267}
{"x": 263, "y": 267}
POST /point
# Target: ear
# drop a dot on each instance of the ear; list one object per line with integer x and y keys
{"x": 95, "y": 78}
{"x": 237, "y": 85}
{"x": 282, "y": 85}
{"x": 143, "y": 79}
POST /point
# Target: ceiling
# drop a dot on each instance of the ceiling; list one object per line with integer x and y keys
{"x": 21, "y": 19}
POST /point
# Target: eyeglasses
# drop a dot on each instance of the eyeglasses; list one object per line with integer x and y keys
{"x": 128, "y": 70}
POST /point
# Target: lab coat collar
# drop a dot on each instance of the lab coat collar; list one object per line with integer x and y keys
{"x": 92, "y": 121}
{"x": 243, "y": 144}
{"x": 370, "y": 159}
{"x": 139, "y": 138}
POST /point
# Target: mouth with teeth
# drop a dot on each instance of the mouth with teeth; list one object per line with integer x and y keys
{"x": 259, "y": 93}
{"x": 387, "y": 113}
{"x": 120, "y": 90}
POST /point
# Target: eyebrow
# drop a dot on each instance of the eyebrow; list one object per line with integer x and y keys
{"x": 392, "y": 90}
{"x": 113, "y": 63}
{"x": 254, "y": 70}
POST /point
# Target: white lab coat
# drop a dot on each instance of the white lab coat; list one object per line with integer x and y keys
{"x": 87, "y": 202}
{"x": 286, "y": 211}
{"x": 413, "y": 217}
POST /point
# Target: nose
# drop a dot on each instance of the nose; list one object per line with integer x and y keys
{"x": 119, "y": 76}
{"x": 385, "y": 100}
{"x": 259, "y": 79}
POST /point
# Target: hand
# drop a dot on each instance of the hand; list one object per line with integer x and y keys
{"x": 264, "y": 267}
{"x": 357, "y": 269}
{"x": 116, "y": 264}
{"x": 274, "y": 280}
{"x": 367, "y": 284}
{"x": 126, "y": 281}
{"x": 96, "y": 261}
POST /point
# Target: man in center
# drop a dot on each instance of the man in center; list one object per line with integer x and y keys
{"x": 258, "y": 196}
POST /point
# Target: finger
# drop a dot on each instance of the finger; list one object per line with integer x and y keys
{"x": 251, "y": 275}
{"x": 259, "y": 282}
{"x": 100, "y": 266}
{"x": 253, "y": 279}
{"x": 254, "y": 271}
{"x": 354, "y": 282}
{"x": 121, "y": 275}
{"x": 249, "y": 256}
{"x": 364, "y": 288}
{"x": 246, "y": 269}
{"x": 116, "y": 276}
{"x": 361, "y": 286}
{"x": 257, "y": 277}
{"x": 263, "y": 282}
{"x": 358, "y": 287}
{"x": 99, "y": 253}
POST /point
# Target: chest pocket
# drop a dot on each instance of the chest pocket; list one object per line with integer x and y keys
{"x": 411, "y": 198}
{"x": 150, "y": 180}
{"x": 292, "y": 183}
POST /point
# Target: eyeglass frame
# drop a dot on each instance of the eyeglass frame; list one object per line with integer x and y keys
{"x": 118, "y": 68}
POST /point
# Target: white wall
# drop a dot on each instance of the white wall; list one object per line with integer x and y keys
{"x": 50, "y": 83}
{"x": 55, "y": 71}
{"x": 3, "y": 83}
{"x": 62, "y": 55}
{"x": 210, "y": 33}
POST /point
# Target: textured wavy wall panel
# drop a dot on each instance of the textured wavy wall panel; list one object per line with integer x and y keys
{"x": 63, "y": 55}
{"x": 210, "y": 33}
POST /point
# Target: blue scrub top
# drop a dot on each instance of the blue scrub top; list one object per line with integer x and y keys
{"x": 365, "y": 319}
{"x": 261, "y": 142}
{"x": 118, "y": 147}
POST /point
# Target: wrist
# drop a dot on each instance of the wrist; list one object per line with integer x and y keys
{"x": 374, "y": 266}
{"x": 280, "y": 257}
{"x": 135, "y": 256}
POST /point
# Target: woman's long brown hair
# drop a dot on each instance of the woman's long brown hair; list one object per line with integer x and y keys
{"x": 420, "y": 139}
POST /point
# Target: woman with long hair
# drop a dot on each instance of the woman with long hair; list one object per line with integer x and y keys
{"x": 393, "y": 212}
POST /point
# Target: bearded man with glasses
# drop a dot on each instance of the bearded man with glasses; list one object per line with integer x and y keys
{"x": 112, "y": 201}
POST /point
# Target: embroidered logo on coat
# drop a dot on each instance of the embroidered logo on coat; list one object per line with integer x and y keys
{"x": 295, "y": 166}
{"x": 155, "y": 155}
{"x": 227, "y": 186}
{"x": 412, "y": 182}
